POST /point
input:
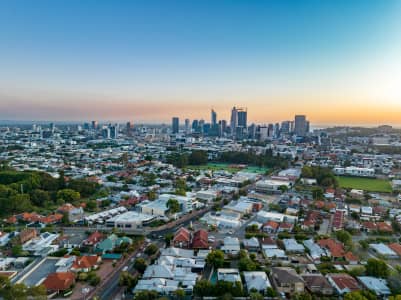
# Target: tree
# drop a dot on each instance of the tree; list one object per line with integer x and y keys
{"x": 140, "y": 265}
{"x": 146, "y": 295}
{"x": 168, "y": 237}
{"x": 16, "y": 250}
{"x": 173, "y": 206}
{"x": 302, "y": 296}
{"x": 40, "y": 197}
{"x": 255, "y": 296}
{"x": 197, "y": 157}
{"x": 151, "y": 249}
{"x": 360, "y": 295}
{"x": 203, "y": 288}
{"x": 215, "y": 258}
{"x": 344, "y": 237}
{"x": 152, "y": 195}
{"x": 246, "y": 264}
{"x": 283, "y": 188}
{"x": 377, "y": 268}
{"x": 270, "y": 292}
{"x": 179, "y": 294}
{"x": 128, "y": 280}
{"x": 61, "y": 180}
{"x": 68, "y": 196}
{"x": 179, "y": 160}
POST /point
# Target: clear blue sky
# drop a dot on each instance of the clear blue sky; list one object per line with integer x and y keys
{"x": 149, "y": 60}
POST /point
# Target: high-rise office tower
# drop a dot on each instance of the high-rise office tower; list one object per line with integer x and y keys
{"x": 94, "y": 125}
{"x": 262, "y": 132}
{"x": 222, "y": 127}
{"x": 187, "y": 126}
{"x": 213, "y": 118}
{"x": 195, "y": 126}
{"x": 175, "y": 125}
{"x": 106, "y": 132}
{"x": 129, "y": 128}
{"x": 233, "y": 120}
{"x": 270, "y": 130}
{"x": 300, "y": 125}
{"x": 242, "y": 117}
{"x": 285, "y": 127}
{"x": 113, "y": 131}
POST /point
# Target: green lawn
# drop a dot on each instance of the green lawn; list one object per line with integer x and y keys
{"x": 366, "y": 184}
{"x": 228, "y": 168}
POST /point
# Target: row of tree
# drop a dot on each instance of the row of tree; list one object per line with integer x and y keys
{"x": 25, "y": 191}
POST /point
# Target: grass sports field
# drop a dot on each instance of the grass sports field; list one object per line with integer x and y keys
{"x": 366, "y": 184}
{"x": 228, "y": 168}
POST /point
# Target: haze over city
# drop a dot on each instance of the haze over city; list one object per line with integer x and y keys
{"x": 338, "y": 62}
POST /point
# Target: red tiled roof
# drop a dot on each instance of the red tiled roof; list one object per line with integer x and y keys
{"x": 344, "y": 281}
{"x": 66, "y": 207}
{"x": 271, "y": 224}
{"x": 369, "y": 225}
{"x": 59, "y": 281}
{"x": 349, "y": 256}
{"x": 286, "y": 226}
{"x": 200, "y": 239}
{"x": 384, "y": 227}
{"x": 336, "y": 248}
{"x": 94, "y": 238}
{"x": 338, "y": 219}
{"x": 182, "y": 235}
{"x": 396, "y": 248}
{"x": 85, "y": 262}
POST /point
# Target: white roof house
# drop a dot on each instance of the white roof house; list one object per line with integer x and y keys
{"x": 253, "y": 242}
{"x": 384, "y": 250}
{"x": 291, "y": 245}
{"x": 230, "y": 275}
{"x": 315, "y": 251}
{"x": 377, "y": 285}
{"x": 256, "y": 280}
{"x": 161, "y": 285}
{"x": 231, "y": 245}
{"x": 275, "y": 253}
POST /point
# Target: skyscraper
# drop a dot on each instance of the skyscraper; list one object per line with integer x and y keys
{"x": 285, "y": 127}
{"x": 175, "y": 125}
{"x": 187, "y": 126}
{"x": 301, "y": 126}
{"x": 213, "y": 118}
{"x": 233, "y": 120}
{"x": 94, "y": 125}
{"x": 242, "y": 117}
{"x": 129, "y": 128}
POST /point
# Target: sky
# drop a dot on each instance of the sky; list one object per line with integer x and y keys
{"x": 338, "y": 62}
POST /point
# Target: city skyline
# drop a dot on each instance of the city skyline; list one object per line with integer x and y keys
{"x": 336, "y": 62}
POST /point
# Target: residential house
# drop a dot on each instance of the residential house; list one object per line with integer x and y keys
{"x": 343, "y": 283}
{"x": 182, "y": 238}
{"x": 93, "y": 239}
{"x": 231, "y": 245}
{"x": 26, "y": 235}
{"x": 59, "y": 282}
{"x": 256, "y": 280}
{"x": 317, "y": 284}
{"x": 200, "y": 239}
{"x": 286, "y": 280}
{"x": 230, "y": 275}
{"x": 377, "y": 285}
{"x": 86, "y": 263}
{"x": 112, "y": 241}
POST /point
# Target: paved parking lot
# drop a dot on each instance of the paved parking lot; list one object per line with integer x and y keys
{"x": 40, "y": 272}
